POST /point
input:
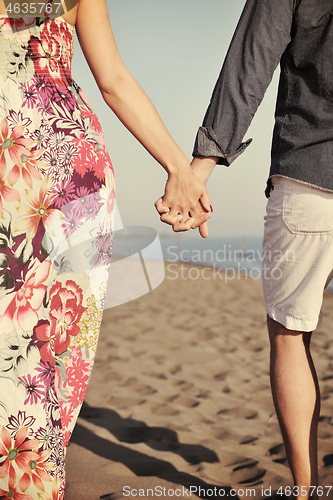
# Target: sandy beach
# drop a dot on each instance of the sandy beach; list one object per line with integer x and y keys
{"x": 179, "y": 404}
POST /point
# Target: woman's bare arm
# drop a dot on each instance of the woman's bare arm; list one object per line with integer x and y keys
{"x": 133, "y": 107}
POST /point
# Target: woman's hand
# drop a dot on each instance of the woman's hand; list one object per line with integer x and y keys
{"x": 185, "y": 204}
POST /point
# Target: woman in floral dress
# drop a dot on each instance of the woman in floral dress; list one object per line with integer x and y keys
{"x": 56, "y": 206}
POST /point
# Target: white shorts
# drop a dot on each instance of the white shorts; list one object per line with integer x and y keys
{"x": 297, "y": 253}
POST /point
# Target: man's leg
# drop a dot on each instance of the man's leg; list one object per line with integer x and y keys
{"x": 297, "y": 401}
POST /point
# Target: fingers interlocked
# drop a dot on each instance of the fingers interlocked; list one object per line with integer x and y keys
{"x": 182, "y": 222}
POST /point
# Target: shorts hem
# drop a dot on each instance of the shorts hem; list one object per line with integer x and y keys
{"x": 292, "y": 323}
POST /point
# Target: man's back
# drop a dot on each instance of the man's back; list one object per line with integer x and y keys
{"x": 303, "y": 136}
{"x": 299, "y": 35}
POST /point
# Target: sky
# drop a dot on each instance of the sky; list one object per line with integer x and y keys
{"x": 175, "y": 50}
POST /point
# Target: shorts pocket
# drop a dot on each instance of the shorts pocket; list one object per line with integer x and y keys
{"x": 308, "y": 210}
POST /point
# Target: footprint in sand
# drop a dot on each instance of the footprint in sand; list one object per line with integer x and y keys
{"x": 324, "y": 419}
{"x": 144, "y": 390}
{"x": 203, "y": 394}
{"x": 248, "y": 439}
{"x": 138, "y": 387}
{"x": 160, "y": 376}
{"x": 324, "y": 434}
{"x": 279, "y": 453}
{"x": 238, "y": 412}
{"x": 123, "y": 403}
{"x": 184, "y": 385}
{"x": 221, "y": 375}
{"x": 164, "y": 410}
{"x": 247, "y": 472}
{"x": 112, "y": 375}
{"x": 224, "y": 434}
{"x": 175, "y": 369}
{"x": 184, "y": 401}
{"x": 111, "y": 496}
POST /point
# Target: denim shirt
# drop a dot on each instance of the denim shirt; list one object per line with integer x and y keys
{"x": 299, "y": 36}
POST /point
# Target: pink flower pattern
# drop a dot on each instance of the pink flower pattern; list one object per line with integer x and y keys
{"x": 56, "y": 188}
{"x": 22, "y": 310}
{"x": 35, "y": 390}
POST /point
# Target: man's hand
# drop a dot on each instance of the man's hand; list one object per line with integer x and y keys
{"x": 202, "y": 168}
{"x": 185, "y": 203}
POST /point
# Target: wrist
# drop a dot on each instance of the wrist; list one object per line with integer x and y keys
{"x": 179, "y": 168}
{"x": 203, "y": 166}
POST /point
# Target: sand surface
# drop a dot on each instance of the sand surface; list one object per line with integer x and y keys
{"x": 180, "y": 398}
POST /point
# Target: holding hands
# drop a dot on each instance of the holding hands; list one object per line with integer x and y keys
{"x": 185, "y": 204}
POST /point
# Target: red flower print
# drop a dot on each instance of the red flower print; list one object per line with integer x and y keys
{"x": 15, "y": 29}
{"x": 56, "y": 493}
{"x": 75, "y": 352}
{"x": 12, "y": 493}
{"x": 48, "y": 57}
{"x": 47, "y": 351}
{"x": 85, "y": 158}
{"x": 14, "y": 144}
{"x": 100, "y": 164}
{"x": 28, "y": 299}
{"x": 66, "y": 438}
{"x": 77, "y": 397}
{"x": 28, "y": 165}
{"x": 78, "y": 374}
{"x": 7, "y": 193}
{"x": 66, "y": 415}
{"x": 65, "y": 313}
{"x": 63, "y": 35}
{"x": 88, "y": 113}
{"x": 19, "y": 452}
{"x": 38, "y": 474}
{"x": 37, "y": 210}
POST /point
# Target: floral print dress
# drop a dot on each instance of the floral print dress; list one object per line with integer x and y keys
{"x": 56, "y": 205}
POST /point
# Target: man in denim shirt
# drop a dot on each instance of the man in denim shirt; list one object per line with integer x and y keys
{"x": 298, "y": 34}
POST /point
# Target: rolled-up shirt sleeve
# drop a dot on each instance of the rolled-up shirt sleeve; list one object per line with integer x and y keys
{"x": 260, "y": 39}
